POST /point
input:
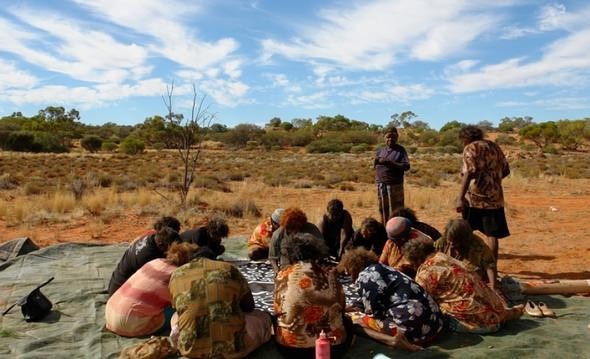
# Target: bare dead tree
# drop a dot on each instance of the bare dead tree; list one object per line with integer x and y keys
{"x": 186, "y": 136}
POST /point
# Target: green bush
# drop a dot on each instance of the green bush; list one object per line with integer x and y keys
{"x": 22, "y": 141}
{"x": 91, "y": 143}
{"x": 108, "y": 146}
{"x": 363, "y": 147}
{"x": 47, "y": 142}
{"x": 504, "y": 139}
{"x": 327, "y": 145}
{"x": 131, "y": 146}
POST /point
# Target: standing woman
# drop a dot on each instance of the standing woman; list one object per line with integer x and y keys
{"x": 481, "y": 199}
{"x": 390, "y": 164}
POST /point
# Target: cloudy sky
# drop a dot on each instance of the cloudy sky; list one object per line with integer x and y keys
{"x": 445, "y": 60}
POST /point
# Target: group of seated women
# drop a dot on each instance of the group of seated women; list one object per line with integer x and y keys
{"x": 409, "y": 286}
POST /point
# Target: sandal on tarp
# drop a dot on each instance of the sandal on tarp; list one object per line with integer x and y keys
{"x": 532, "y": 309}
{"x": 547, "y": 312}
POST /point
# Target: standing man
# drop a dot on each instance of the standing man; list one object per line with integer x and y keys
{"x": 390, "y": 164}
{"x": 482, "y": 202}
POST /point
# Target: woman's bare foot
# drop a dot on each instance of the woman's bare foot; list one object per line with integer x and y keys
{"x": 400, "y": 341}
{"x": 514, "y": 312}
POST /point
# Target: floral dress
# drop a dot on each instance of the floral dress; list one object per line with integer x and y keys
{"x": 461, "y": 294}
{"x": 308, "y": 298}
{"x": 393, "y": 301}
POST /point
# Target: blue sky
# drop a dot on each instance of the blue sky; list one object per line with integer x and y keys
{"x": 445, "y": 60}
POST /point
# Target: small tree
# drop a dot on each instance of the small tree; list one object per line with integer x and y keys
{"x": 91, "y": 143}
{"x": 186, "y": 136}
{"x": 542, "y": 134}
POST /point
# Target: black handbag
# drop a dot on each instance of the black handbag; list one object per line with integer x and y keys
{"x": 35, "y": 305}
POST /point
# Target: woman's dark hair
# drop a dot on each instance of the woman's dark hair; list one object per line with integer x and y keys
{"x": 405, "y": 212}
{"x": 391, "y": 130}
{"x": 167, "y": 221}
{"x": 304, "y": 247}
{"x": 371, "y": 223}
{"x": 217, "y": 228}
{"x": 165, "y": 237}
{"x": 471, "y": 133}
{"x": 293, "y": 219}
{"x": 335, "y": 205}
{"x": 355, "y": 260}
{"x": 458, "y": 231}
{"x": 417, "y": 250}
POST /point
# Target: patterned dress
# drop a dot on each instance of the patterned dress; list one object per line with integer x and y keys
{"x": 485, "y": 161}
{"x": 395, "y": 302}
{"x": 392, "y": 254}
{"x": 260, "y": 238}
{"x": 308, "y": 299}
{"x": 137, "y": 307}
{"x": 461, "y": 294}
{"x": 206, "y": 294}
{"x": 477, "y": 257}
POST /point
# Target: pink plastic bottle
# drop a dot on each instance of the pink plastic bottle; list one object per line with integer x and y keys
{"x": 322, "y": 346}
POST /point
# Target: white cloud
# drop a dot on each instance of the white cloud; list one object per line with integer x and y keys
{"x": 565, "y": 62}
{"x": 313, "y": 101}
{"x": 84, "y": 96}
{"x": 163, "y": 21}
{"x": 551, "y": 17}
{"x": 371, "y": 35}
{"x": 69, "y": 49}
{"x": 553, "y": 103}
{"x": 13, "y": 78}
{"x": 392, "y": 93}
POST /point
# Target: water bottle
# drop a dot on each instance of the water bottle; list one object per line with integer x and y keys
{"x": 322, "y": 346}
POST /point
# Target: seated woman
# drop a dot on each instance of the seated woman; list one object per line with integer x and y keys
{"x": 410, "y": 214}
{"x": 393, "y": 309}
{"x": 461, "y": 243}
{"x": 260, "y": 238}
{"x": 399, "y": 231}
{"x": 142, "y": 250}
{"x": 469, "y": 304}
{"x": 209, "y": 235}
{"x": 140, "y": 306}
{"x": 308, "y": 299}
{"x": 336, "y": 227}
{"x": 371, "y": 235}
{"x": 293, "y": 221}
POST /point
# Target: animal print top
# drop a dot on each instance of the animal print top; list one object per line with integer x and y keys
{"x": 485, "y": 161}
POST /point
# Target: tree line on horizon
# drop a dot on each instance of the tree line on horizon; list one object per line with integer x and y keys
{"x": 54, "y": 129}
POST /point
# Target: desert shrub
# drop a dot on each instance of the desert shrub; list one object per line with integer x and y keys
{"x": 241, "y": 208}
{"x": 108, "y": 146}
{"x": 78, "y": 187}
{"x": 159, "y": 146}
{"x": 551, "y": 149}
{"x": 251, "y": 145}
{"x": 363, "y": 147}
{"x": 301, "y": 138}
{"x": 327, "y": 145}
{"x": 346, "y": 187}
{"x": 91, "y": 143}
{"x": 212, "y": 183}
{"x": 33, "y": 187}
{"x": 22, "y": 141}
{"x": 104, "y": 180}
{"x": 8, "y": 181}
{"x": 274, "y": 139}
{"x": 528, "y": 147}
{"x": 356, "y": 137}
{"x": 131, "y": 146}
{"x": 504, "y": 139}
{"x": 47, "y": 142}
{"x": 411, "y": 149}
